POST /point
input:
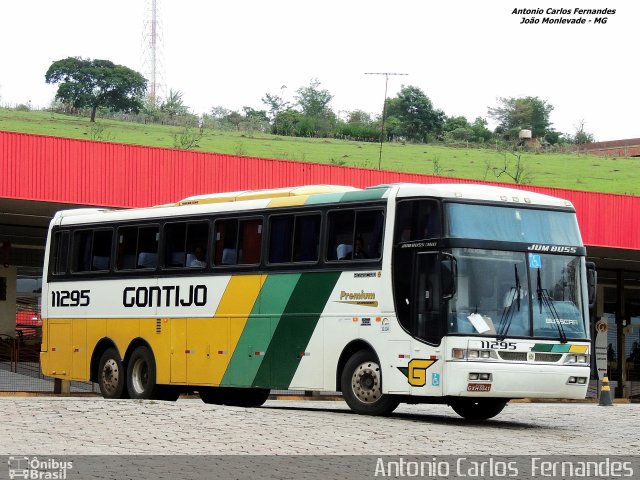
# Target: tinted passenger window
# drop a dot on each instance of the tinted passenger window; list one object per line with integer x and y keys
{"x": 417, "y": 220}
{"x": 59, "y": 253}
{"x": 355, "y": 234}
{"x": 91, "y": 250}
{"x": 185, "y": 244}
{"x": 294, "y": 238}
{"x": 237, "y": 242}
{"x": 138, "y": 247}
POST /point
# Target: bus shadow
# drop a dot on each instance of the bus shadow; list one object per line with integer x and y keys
{"x": 425, "y": 418}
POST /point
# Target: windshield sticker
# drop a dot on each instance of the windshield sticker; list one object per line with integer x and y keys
{"x": 479, "y": 323}
{"x": 535, "y": 261}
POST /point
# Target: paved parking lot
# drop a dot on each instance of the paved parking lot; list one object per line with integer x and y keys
{"x": 93, "y": 426}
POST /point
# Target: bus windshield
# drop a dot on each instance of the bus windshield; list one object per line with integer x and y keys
{"x": 511, "y": 224}
{"x": 517, "y": 294}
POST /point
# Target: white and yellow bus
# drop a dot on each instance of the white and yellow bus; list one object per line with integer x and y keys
{"x": 469, "y": 295}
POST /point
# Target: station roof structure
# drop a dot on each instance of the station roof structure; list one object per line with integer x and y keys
{"x": 40, "y": 175}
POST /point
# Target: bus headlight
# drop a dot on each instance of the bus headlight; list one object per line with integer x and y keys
{"x": 458, "y": 353}
{"x": 577, "y": 381}
{"x": 581, "y": 359}
{"x": 474, "y": 353}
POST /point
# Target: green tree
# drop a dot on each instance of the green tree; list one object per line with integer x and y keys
{"x": 418, "y": 119}
{"x": 275, "y": 103}
{"x": 173, "y": 105}
{"x": 582, "y": 136}
{"x": 255, "y": 115}
{"x": 85, "y": 83}
{"x": 286, "y": 122}
{"x": 515, "y": 114}
{"x": 480, "y": 131}
{"x": 312, "y": 100}
{"x": 359, "y": 117}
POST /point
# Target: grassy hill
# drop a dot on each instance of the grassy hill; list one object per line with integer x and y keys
{"x": 582, "y": 172}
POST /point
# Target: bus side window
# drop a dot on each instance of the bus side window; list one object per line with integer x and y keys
{"x": 237, "y": 242}
{"x": 294, "y": 238}
{"x": 185, "y": 244}
{"x": 340, "y": 233}
{"x": 417, "y": 220}
{"x": 60, "y": 253}
{"x": 355, "y": 234}
{"x": 368, "y": 237}
{"x": 91, "y": 250}
{"x": 280, "y": 238}
{"x": 137, "y": 247}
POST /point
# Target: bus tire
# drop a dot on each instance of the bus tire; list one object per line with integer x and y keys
{"x": 210, "y": 395}
{"x": 111, "y": 375}
{"x": 361, "y": 383}
{"x": 141, "y": 374}
{"x": 478, "y": 408}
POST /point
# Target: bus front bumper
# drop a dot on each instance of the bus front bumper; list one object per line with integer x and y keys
{"x": 469, "y": 379}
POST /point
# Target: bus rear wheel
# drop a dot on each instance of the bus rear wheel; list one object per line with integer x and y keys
{"x": 111, "y": 375}
{"x": 361, "y": 383}
{"x": 478, "y": 408}
{"x": 141, "y": 374}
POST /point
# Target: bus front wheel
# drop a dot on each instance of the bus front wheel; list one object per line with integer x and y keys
{"x": 141, "y": 374}
{"x": 111, "y": 375}
{"x": 361, "y": 383}
{"x": 478, "y": 408}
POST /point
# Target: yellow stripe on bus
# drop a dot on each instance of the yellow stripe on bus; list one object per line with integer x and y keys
{"x": 579, "y": 349}
{"x": 236, "y": 304}
{"x": 288, "y": 201}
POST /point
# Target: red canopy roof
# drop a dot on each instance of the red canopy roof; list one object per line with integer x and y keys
{"x": 53, "y": 169}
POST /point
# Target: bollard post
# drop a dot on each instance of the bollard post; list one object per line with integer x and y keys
{"x": 65, "y": 389}
{"x": 605, "y": 394}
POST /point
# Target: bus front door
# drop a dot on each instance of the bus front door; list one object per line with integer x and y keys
{"x": 425, "y": 366}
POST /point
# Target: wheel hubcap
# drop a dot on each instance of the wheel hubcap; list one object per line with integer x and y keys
{"x": 365, "y": 382}
{"x": 140, "y": 376}
{"x": 110, "y": 376}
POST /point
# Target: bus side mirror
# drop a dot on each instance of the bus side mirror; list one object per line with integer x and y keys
{"x": 448, "y": 274}
{"x": 592, "y": 283}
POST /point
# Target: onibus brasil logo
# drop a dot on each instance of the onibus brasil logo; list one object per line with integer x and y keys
{"x": 35, "y": 468}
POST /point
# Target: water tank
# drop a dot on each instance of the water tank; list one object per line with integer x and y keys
{"x": 525, "y": 134}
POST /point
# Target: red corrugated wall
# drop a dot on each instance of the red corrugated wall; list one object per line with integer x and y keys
{"x": 53, "y": 169}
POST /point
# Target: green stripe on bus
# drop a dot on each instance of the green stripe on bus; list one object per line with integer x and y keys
{"x": 550, "y": 347}
{"x": 355, "y": 196}
{"x": 258, "y": 331}
{"x": 360, "y": 195}
{"x": 295, "y": 328}
{"x": 324, "y": 198}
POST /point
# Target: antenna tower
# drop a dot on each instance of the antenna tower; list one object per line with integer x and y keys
{"x": 152, "y": 48}
{"x": 384, "y": 107}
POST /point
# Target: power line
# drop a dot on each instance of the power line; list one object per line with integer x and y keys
{"x": 384, "y": 107}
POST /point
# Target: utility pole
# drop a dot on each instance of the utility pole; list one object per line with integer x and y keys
{"x": 384, "y": 107}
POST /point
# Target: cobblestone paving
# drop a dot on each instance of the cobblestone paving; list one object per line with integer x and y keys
{"x": 90, "y": 426}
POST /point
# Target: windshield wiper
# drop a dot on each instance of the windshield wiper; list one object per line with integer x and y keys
{"x": 507, "y": 314}
{"x": 545, "y": 299}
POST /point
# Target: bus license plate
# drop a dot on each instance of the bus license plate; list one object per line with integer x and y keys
{"x": 479, "y": 387}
